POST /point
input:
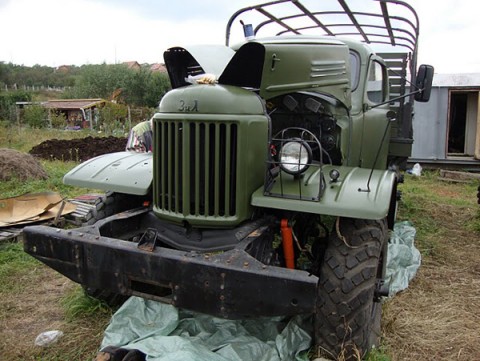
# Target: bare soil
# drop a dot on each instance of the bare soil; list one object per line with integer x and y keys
{"x": 78, "y": 150}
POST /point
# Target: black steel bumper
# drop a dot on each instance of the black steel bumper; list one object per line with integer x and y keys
{"x": 229, "y": 284}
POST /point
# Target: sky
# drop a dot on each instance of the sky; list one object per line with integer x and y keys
{"x": 76, "y": 32}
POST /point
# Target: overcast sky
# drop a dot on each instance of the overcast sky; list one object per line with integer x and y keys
{"x": 57, "y": 32}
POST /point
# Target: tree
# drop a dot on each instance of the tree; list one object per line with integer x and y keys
{"x": 8, "y": 103}
{"x": 13, "y": 75}
{"x": 139, "y": 88}
{"x": 100, "y": 81}
{"x": 157, "y": 86}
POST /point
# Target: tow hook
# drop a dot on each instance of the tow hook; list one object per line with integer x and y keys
{"x": 148, "y": 241}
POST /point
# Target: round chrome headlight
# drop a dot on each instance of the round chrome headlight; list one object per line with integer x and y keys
{"x": 295, "y": 157}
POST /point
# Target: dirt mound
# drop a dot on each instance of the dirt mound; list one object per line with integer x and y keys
{"x": 18, "y": 165}
{"x": 78, "y": 150}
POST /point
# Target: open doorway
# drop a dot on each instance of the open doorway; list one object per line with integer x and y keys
{"x": 463, "y": 128}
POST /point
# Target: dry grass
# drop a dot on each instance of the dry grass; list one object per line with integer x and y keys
{"x": 37, "y": 306}
{"x": 31, "y": 304}
{"x": 438, "y": 317}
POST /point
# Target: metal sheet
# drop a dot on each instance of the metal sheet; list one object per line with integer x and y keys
{"x": 123, "y": 172}
{"x": 430, "y": 126}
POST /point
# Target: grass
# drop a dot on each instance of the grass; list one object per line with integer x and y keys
{"x": 77, "y": 304}
{"x": 431, "y": 205}
{"x": 35, "y": 299}
{"x": 55, "y": 169}
{"x": 378, "y": 354}
{"x": 25, "y": 138}
{"x": 436, "y": 317}
{"x": 13, "y": 262}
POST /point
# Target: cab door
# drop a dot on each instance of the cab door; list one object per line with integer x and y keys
{"x": 376, "y": 127}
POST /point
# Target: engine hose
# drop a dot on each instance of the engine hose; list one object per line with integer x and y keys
{"x": 287, "y": 242}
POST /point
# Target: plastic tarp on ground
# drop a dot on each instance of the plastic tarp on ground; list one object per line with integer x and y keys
{"x": 403, "y": 259}
{"x": 165, "y": 333}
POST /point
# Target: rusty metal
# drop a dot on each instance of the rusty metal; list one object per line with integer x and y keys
{"x": 225, "y": 283}
{"x": 148, "y": 241}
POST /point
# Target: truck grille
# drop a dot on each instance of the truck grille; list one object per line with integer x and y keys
{"x": 196, "y": 168}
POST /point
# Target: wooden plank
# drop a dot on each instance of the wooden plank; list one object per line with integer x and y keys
{"x": 459, "y": 176}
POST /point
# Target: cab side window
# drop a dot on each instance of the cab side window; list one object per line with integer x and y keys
{"x": 354, "y": 70}
{"x": 376, "y": 92}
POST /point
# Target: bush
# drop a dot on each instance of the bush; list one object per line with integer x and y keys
{"x": 112, "y": 116}
{"x": 36, "y": 116}
{"x": 57, "y": 119}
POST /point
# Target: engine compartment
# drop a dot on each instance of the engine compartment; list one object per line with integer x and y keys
{"x": 295, "y": 112}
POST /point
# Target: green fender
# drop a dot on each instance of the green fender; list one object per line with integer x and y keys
{"x": 347, "y": 197}
{"x": 122, "y": 172}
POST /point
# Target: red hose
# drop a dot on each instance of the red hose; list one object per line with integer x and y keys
{"x": 287, "y": 241}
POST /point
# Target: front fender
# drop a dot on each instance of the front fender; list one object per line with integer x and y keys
{"x": 347, "y": 197}
{"x": 122, "y": 172}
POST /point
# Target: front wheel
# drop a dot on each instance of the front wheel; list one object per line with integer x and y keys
{"x": 347, "y": 319}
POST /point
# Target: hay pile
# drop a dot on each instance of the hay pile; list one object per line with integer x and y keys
{"x": 20, "y": 166}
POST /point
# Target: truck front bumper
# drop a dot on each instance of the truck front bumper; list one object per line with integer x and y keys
{"x": 228, "y": 284}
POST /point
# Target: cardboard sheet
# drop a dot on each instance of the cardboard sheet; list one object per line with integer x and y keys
{"x": 32, "y": 207}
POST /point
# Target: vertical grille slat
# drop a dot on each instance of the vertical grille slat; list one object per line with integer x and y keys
{"x": 197, "y": 162}
{"x": 178, "y": 177}
{"x": 185, "y": 176}
{"x": 170, "y": 154}
{"x": 233, "y": 170}
{"x": 206, "y": 157}
{"x": 197, "y": 169}
{"x": 227, "y": 172}
{"x": 216, "y": 186}
{"x": 163, "y": 164}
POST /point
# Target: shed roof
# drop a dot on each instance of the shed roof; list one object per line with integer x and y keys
{"x": 157, "y": 67}
{"x": 457, "y": 80}
{"x": 132, "y": 64}
{"x": 73, "y": 103}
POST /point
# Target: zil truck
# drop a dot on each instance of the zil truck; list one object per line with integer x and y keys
{"x": 272, "y": 184}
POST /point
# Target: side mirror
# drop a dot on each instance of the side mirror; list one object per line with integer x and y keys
{"x": 424, "y": 83}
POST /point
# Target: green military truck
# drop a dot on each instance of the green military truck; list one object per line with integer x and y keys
{"x": 272, "y": 184}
